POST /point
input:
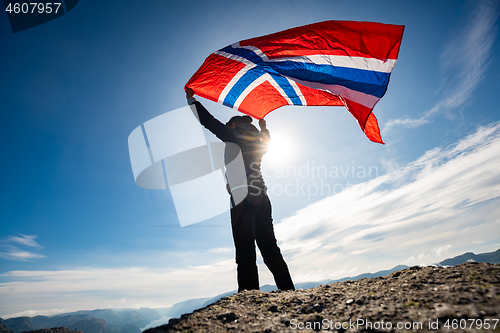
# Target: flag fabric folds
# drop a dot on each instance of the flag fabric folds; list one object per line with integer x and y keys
{"x": 337, "y": 63}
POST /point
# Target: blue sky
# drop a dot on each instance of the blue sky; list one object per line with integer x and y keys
{"x": 78, "y": 233}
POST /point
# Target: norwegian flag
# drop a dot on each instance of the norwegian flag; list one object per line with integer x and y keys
{"x": 338, "y": 63}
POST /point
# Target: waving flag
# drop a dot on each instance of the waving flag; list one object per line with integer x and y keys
{"x": 339, "y": 63}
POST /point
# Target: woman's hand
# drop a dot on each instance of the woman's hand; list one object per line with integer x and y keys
{"x": 189, "y": 93}
{"x": 262, "y": 124}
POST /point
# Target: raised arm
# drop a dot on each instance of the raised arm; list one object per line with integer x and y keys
{"x": 266, "y": 136}
{"x": 220, "y": 130}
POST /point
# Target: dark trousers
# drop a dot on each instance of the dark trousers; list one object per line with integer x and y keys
{"x": 251, "y": 222}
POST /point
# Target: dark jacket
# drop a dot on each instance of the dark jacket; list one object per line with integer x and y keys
{"x": 252, "y": 143}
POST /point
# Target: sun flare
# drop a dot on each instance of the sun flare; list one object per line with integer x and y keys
{"x": 280, "y": 149}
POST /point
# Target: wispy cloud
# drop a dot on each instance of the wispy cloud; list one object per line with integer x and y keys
{"x": 222, "y": 250}
{"x": 11, "y": 251}
{"x": 439, "y": 251}
{"x": 443, "y": 203}
{"x": 28, "y": 240}
{"x": 464, "y": 61}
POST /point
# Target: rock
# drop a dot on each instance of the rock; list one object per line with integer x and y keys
{"x": 431, "y": 299}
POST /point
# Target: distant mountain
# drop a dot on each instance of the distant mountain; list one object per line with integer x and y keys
{"x": 491, "y": 257}
{"x": 19, "y": 324}
{"x": 4, "y": 328}
{"x": 133, "y": 319}
{"x": 94, "y": 321}
{"x": 121, "y": 317}
{"x": 129, "y": 328}
{"x": 148, "y": 314}
{"x": 56, "y": 330}
{"x": 90, "y": 325}
{"x": 216, "y": 298}
{"x": 186, "y": 306}
{"x": 108, "y": 315}
{"x": 82, "y": 322}
{"x": 361, "y": 276}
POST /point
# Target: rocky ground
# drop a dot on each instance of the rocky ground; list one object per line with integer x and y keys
{"x": 463, "y": 298}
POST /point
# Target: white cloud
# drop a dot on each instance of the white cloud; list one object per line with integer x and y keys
{"x": 33, "y": 313}
{"x": 414, "y": 258}
{"x": 28, "y": 240}
{"x": 222, "y": 250}
{"x": 11, "y": 252}
{"x": 447, "y": 199}
{"x": 439, "y": 251}
{"x": 464, "y": 60}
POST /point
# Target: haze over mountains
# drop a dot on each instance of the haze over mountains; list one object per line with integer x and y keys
{"x": 135, "y": 320}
